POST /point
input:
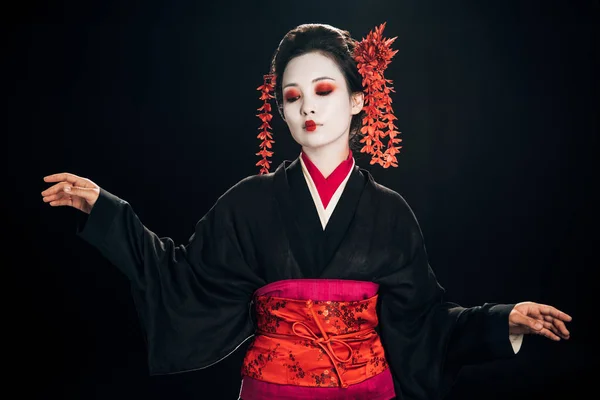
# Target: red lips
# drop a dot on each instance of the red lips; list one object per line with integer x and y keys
{"x": 310, "y": 125}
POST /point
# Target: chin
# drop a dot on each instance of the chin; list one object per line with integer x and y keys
{"x": 316, "y": 144}
{"x": 316, "y": 140}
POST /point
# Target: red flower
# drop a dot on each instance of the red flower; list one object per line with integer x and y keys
{"x": 265, "y": 135}
{"x": 373, "y": 55}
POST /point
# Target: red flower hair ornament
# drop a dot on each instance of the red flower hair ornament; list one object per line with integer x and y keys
{"x": 372, "y": 54}
{"x": 265, "y": 135}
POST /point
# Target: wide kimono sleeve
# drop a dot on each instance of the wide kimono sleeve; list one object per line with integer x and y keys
{"x": 192, "y": 299}
{"x": 427, "y": 339}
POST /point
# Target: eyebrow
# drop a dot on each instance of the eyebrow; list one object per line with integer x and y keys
{"x": 313, "y": 81}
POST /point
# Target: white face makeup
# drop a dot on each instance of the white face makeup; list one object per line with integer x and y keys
{"x": 314, "y": 89}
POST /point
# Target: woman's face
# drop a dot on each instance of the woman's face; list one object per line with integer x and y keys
{"x": 317, "y": 106}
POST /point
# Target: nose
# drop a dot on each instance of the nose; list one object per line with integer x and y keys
{"x": 308, "y": 106}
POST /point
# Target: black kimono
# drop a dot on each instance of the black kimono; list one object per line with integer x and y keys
{"x": 195, "y": 299}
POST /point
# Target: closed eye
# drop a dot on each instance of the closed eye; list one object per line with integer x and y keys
{"x": 324, "y": 88}
{"x": 292, "y": 99}
{"x": 292, "y": 95}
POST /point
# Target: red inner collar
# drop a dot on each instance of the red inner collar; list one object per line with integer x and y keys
{"x": 326, "y": 187}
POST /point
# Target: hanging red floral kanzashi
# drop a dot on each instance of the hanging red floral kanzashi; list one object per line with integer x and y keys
{"x": 373, "y": 55}
{"x": 266, "y": 135}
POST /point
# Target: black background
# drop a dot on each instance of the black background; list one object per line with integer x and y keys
{"x": 155, "y": 101}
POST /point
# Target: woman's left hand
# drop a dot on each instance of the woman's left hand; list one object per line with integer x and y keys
{"x": 541, "y": 319}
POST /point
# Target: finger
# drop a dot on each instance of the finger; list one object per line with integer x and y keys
{"x": 85, "y": 193}
{"x": 63, "y": 176}
{"x": 55, "y": 189}
{"x": 65, "y": 201}
{"x": 561, "y": 327}
{"x": 53, "y": 197}
{"x": 554, "y": 312}
{"x": 558, "y": 326}
{"x": 554, "y": 329}
{"x": 71, "y": 178}
{"x": 549, "y": 334}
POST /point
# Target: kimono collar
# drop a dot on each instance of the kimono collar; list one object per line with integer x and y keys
{"x": 327, "y": 186}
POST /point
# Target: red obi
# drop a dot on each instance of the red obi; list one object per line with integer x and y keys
{"x": 315, "y": 343}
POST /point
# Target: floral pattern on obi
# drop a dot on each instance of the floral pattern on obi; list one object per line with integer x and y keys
{"x": 315, "y": 343}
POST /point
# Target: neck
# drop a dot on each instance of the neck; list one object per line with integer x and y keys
{"x": 327, "y": 158}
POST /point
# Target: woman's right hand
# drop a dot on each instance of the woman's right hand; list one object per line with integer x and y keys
{"x": 71, "y": 190}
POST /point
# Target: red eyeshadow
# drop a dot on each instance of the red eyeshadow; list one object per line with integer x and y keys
{"x": 324, "y": 87}
{"x": 291, "y": 93}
